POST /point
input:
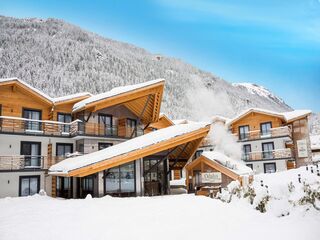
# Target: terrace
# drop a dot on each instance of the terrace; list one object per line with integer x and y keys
{"x": 285, "y": 153}
{"x": 15, "y": 125}
{"x": 284, "y": 131}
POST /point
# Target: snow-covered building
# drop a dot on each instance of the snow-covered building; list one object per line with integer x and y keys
{"x": 272, "y": 141}
{"x": 214, "y": 170}
{"x": 315, "y": 147}
{"x": 83, "y": 144}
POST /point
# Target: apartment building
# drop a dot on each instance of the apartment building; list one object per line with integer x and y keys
{"x": 272, "y": 141}
{"x": 83, "y": 144}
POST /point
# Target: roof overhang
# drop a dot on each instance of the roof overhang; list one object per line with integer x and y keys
{"x": 26, "y": 88}
{"x": 163, "y": 122}
{"x": 193, "y": 137}
{"x": 144, "y": 101}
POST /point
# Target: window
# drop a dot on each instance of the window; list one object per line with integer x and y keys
{"x": 32, "y": 154}
{"x": 34, "y": 115}
{"x": 64, "y": 187}
{"x": 267, "y": 150}
{"x": 120, "y": 179}
{"x": 250, "y": 166}
{"x": 103, "y": 145}
{"x": 246, "y": 152}
{"x": 65, "y": 118}
{"x": 265, "y": 129}
{"x": 198, "y": 153}
{"x": 132, "y": 127}
{"x": 105, "y": 124}
{"x": 62, "y": 149}
{"x": 29, "y": 185}
{"x": 243, "y": 132}
{"x": 269, "y": 167}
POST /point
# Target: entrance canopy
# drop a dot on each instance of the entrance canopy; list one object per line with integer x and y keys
{"x": 181, "y": 140}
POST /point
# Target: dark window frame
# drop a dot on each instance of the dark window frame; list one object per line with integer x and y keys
{"x": 31, "y": 142}
{"x": 240, "y": 135}
{"x": 63, "y": 144}
{"x": 270, "y": 163}
{"x": 246, "y": 154}
{"x": 29, "y": 176}
{"x": 104, "y": 143}
{"x": 263, "y": 150}
{"x": 34, "y": 110}
{"x": 261, "y": 124}
{"x": 250, "y": 165}
{"x": 66, "y": 128}
{"x": 133, "y": 193}
{"x": 106, "y": 126}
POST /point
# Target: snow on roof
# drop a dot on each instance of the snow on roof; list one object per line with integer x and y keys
{"x": 218, "y": 118}
{"x": 125, "y": 147}
{"x": 72, "y": 96}
{"x": 287, "y": 116}
{"x": 113, "y": 92}
{"x": 180, "y": 121}
{"x": 234, "y": 165}
{"x": 28, "y": 86}
{"x": 53, "y": 100}
{"x": 315, "y": 142}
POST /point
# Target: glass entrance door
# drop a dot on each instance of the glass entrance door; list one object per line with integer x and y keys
{"x": 155, "y": 177}
{"x": 34, "y": 115}
{"x": 86, "y": 186}
{"x": 31, "y": 152}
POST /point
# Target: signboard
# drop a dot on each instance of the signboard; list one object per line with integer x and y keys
{"x": 302, "y": 148}
{"x": 211, "y": 177}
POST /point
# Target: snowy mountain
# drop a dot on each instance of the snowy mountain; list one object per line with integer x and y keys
{"x": 60, "y": 58}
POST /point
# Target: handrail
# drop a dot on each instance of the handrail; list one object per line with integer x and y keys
{"x": 262, "y": 155}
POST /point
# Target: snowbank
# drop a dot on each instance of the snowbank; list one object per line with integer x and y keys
{"x": 186, "y": 217}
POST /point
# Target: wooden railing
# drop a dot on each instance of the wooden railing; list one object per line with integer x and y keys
{"x": 54, "y": 128}
{"x": 28, "y": 162}
{"x": 274, "y": 132}
{"x": 266, "y": 155}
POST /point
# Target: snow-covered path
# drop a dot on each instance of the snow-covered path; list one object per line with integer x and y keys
{"x": 169, "y": 217}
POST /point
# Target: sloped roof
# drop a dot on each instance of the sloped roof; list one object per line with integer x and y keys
{"x": 286, "y": 116}
{"x": 71, "y": 97}
{"x": 130, "y": 150}
{"x": 113, "y": 92}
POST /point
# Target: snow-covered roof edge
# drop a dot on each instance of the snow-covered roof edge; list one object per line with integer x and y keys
{"x": 52, "y": 100}
{"x": 126, "y": 147}
{"x": 114, "y": 92}
{"x": 287, "y": 116}
{"x": 233, "y": 165}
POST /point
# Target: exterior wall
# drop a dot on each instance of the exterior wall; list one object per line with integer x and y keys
{"x": 9, "y": 182}
{"x": 10, "y": 144}
{"x": 256, "y": 146}
{"x": 254, "y": 120}
{"x": 301, "y": 132}
{"x": 258, "y": 166}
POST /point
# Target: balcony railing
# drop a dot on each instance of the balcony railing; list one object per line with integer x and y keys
{"x": 267, "y": 155}
{"x": 54, "y": 128}
{"x": 28, "y": 162}
{"x": 274, "y": 132}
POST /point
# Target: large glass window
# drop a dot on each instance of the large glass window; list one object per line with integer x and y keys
{"x": 63, "y": 149}
{"x": 32, "y": 154}
{"x": 65, "y": 118}
{"x": 155, "y": 176}
{"x": 132, "y": 126}
{"x": 267, "y": 149}
{"x": 270, "y": 167}
{"x": 105, "y": 124}
{"x": 29, "y": 185}
{"x": 34, "y": 115}
{"x": 265, "y": 129}
{"x": 120, "y": 179}
{"x": 246, "y": 152}
{"x": 64, "y": 187}
{"x": 244, "y": 132}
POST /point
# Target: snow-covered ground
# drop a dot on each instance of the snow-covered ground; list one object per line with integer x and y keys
{"x": 169, "y": 217}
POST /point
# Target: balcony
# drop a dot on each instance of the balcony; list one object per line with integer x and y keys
{"x": 268, "y": 155}
{"x": 284, "y": 131}
{"x": 17, "y": 125}
{"x": 26, "y": 162}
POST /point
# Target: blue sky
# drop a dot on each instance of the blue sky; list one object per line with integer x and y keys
{"x": 274, "y": 43}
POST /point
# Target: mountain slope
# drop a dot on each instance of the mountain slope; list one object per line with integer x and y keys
{"x": 60, "y": 58}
